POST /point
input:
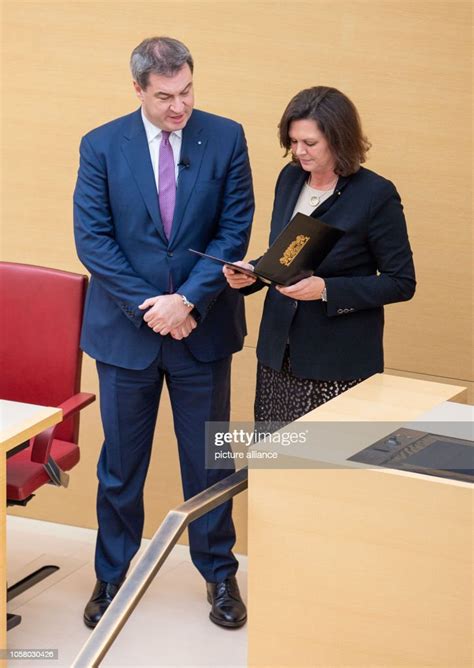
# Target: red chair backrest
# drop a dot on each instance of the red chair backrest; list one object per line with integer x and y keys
{"x": 40, "y": 358}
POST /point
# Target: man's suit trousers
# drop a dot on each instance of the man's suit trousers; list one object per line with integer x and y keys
{"x": 129, "y": 401}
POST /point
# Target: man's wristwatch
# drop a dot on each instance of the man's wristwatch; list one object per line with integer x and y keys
{"x": 324, "y": 294}
{"x": 186, "y": 302}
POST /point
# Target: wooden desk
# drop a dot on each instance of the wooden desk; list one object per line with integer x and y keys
{"x": 361, "y": 567}
{"x": 18, "y": 423}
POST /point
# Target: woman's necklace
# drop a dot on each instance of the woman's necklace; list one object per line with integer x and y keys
{"x": 318, "y": 195}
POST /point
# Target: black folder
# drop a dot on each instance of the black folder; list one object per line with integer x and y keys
{"x": 295, "y": 254}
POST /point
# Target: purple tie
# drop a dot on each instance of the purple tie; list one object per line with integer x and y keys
{"x": 167, "y": 183}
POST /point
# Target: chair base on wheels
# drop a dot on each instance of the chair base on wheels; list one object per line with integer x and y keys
{"x": 22, "y": 585}
{"x": 12, "y": 621}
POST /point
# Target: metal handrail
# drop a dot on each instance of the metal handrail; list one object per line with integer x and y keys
{"x": 148, "y": 565}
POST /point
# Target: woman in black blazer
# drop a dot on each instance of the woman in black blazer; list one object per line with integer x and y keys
{"x": 324, "y": 334}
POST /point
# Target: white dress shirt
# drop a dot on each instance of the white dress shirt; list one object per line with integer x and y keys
{"x": 154, "y": 141}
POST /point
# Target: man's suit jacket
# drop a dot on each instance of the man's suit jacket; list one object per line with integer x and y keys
{"x": 120, "y": 238}
{"x": 370, "y": 266}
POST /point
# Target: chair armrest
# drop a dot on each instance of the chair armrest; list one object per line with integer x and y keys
{"x": 42, "y": 442}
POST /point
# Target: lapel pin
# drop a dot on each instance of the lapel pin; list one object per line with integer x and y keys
{"x": 199, "y": 142}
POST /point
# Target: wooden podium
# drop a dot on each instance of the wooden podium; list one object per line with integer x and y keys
{"x": 361, "y": 567}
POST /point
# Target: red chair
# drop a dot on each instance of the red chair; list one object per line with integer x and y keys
{"x": 40, "y": 362}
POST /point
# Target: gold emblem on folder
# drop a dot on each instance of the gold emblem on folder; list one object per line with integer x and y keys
{"x": 293, "y": 249}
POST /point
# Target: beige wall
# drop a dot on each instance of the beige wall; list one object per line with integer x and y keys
{"x": 404, "y": 63}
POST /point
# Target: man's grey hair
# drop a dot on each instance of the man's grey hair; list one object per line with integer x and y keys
{"x": 164, "y": 56}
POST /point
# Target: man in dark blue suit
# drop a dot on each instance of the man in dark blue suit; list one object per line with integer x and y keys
{"x": 151, "y": 185}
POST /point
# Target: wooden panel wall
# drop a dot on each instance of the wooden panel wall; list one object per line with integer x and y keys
{"x": 405, "y": 64}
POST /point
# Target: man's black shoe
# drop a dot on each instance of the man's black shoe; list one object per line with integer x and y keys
{"x": 100, "y": 600}
{"x": 228, "y": 609}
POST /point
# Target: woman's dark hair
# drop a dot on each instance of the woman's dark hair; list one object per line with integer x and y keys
{"x": 338, "y": 120}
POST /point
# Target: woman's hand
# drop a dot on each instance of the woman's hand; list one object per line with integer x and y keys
{"x": 305, "y": 290}
{"x": 237, "y": 280}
